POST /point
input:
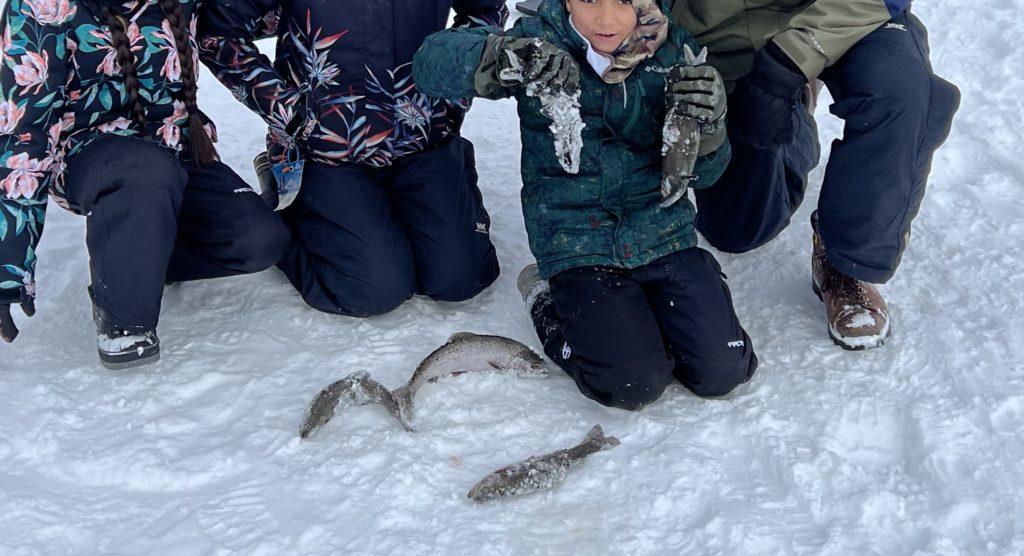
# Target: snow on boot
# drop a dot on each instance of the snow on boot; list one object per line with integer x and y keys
{"x": 857, "y": 315}
{"x": 530, "y": 285}
{"x": 120, "y": 348}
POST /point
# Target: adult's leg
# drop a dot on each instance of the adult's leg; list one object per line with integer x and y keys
{"x": 436, "y": 197}
{"x": 598, "y": 326}
{"x": 349, "y": 253}
{"x": 130, "y": 191}
{"x": 760, "y": 190}
{"x": 224, "y": 228}
{"x": 897, "y": 113}
{"x": 694, "y": 310}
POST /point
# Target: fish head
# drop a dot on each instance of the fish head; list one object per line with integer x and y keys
{"x": 489, "y": 488}
{"x": 528, "y": 363}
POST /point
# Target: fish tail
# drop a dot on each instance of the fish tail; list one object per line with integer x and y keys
{"x": 403, "y": 395}
{"x": 376, "y": 393}
{"x": 596, "y": 434}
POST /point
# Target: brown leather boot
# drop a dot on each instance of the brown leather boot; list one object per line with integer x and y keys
{"x": 858, "y": 317}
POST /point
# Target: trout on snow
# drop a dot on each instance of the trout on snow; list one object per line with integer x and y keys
{"x": 463, "y": 352}
{"x": 539, "y": 472}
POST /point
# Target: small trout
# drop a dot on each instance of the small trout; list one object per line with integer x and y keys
{"x": 539, "y": 472}
{"x": 680, "y": 143}
{"x": 462, "y": 353}
{"x": 465, "y": 352}
{"x": 354, "y": 390}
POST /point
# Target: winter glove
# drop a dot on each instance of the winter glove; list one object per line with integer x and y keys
{"x": 765, "y": 103}
{"x": 694, "y": 122}
{"x": 530, "y": 62}
{"x": 8, "y": 330}
{"x": 699, "y": 92}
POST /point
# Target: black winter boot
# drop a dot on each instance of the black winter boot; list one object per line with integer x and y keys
{"x": 120, "y": 348}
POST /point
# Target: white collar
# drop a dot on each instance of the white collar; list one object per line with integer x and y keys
{"x": 600, "y": 62}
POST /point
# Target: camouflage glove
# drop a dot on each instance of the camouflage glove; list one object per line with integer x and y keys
{"x": 533, "y": 63}
{"x": 699, "y": 92}
{"x": 8, "y": 330}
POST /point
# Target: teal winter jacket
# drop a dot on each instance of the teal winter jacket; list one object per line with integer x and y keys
{"x": 607, "y": 214}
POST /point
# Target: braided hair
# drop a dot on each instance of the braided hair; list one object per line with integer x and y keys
{"x": 203, "y": 151}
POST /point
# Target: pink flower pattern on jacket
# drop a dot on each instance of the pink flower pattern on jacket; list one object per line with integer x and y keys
{"x": 51, "y": 12}
{"x": 61, "y": 89}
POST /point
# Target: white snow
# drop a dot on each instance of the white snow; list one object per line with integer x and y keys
{"x": 913, "y": 448}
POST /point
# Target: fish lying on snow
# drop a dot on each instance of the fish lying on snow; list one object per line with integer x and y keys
{"x": 355, "y": 389}
{"x": 464, "y": 352}
{"x": 539, "y": 472}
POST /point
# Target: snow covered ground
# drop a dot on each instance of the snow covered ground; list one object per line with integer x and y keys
{"x": 915, "y": 448}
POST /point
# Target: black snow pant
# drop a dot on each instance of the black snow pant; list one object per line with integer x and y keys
{"x": 623, "y": 335}
{"x": 151, "y": 220}
{"x": 367, "y": 239}
{"x": 897, "y": 113}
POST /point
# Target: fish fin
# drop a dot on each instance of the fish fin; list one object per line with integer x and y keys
{"x": 460, "y": 336}
{"x": 597, "y": 435}
{"x": 495, "y": 366}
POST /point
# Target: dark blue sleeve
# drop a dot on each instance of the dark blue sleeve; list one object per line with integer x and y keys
{"x": 480, "y": 13}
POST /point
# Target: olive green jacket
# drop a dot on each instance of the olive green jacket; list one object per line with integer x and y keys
{"x": 813, "y": 33}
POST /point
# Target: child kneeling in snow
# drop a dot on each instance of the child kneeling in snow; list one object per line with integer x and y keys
{"x": 621, "y": 296}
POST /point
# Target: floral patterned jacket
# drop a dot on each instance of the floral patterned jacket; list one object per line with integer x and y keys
{"x": 343, "y": 69}
{"x": 60, "y": 88}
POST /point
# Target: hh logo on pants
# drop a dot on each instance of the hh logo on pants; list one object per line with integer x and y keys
{"x": 566, "y": 351}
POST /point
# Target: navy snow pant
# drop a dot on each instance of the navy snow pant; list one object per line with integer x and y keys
{"x": 897, "y": 113}
{"x": 153, "y": 220}
{"x": 624, "y": 335}
{"x": 367, "y": 239}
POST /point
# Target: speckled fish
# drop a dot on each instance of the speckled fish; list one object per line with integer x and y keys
{"x": 354, "y": 390}
{"x": 465, "y": 352}
{"x": 539, "y": 472}
{"x": 680, "y": 143}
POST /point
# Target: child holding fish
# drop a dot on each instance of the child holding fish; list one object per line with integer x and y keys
{"x": 621, "y": 296}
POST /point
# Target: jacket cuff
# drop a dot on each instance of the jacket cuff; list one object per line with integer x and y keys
{"x": 776, "y": 73}
{"x": 10, "y": 297}
{"x": 803, "y": 51}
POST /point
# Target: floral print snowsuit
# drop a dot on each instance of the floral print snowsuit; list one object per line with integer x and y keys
{"x": 342, "y": 72}
{"x": 61, "y": 88}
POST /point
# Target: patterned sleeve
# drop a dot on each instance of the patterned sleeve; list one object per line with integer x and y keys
{"x": 227, "y": 31}
{"x": 480, "y": 13}
{"x": 32, "y": 78}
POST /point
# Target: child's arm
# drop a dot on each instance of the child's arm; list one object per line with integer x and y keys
{"x": 463, "y": 63}
{"x": 227, "y": 31}
{"x": 32, "y": 105}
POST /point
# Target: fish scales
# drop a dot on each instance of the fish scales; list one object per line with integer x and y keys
{"x": 539, "y": 472}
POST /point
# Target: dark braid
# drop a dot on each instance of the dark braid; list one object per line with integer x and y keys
{"x": 126, "y": 60}
{"x": 203, "y": 151}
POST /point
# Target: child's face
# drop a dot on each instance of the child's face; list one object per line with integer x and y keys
{"x": 605, "y": 23}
